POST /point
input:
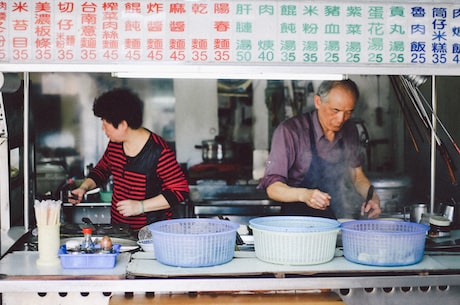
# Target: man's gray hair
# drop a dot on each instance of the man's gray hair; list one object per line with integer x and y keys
{"x": 328, "y": 85}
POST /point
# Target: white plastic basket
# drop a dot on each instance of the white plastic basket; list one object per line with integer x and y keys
{"x": 383, "y": 242}
{"x": 194, "y": 242}
{"x": 294, "y": 240}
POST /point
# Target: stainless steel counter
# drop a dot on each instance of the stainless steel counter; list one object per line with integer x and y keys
{"x": 435, "y": 277}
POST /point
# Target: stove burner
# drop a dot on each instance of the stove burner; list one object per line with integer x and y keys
{"x": 112, "y": 230}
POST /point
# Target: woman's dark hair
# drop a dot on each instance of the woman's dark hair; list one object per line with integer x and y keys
{"x": 117, "y": 105}
{"x": 327, "y": 86}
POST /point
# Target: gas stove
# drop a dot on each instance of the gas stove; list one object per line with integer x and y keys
{"x": 112, "y": 230}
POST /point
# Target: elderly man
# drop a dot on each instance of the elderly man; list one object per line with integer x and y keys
{"x": 315, "y": 161}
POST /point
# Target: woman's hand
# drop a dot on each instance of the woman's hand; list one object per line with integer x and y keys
{"x": 130, "y": 207}
{"x": 76, "y": 195}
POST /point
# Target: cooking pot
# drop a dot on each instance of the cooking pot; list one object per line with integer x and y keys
{"x": 216, "y": 150}
{"x": 393, "y": 189}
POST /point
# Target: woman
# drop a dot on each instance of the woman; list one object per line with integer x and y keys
{"x": 148, "y": 182}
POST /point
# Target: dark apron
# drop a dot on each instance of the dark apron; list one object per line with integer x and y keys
{"x": 322, "y": 175}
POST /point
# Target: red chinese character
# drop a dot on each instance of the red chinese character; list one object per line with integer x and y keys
{"x": 177, "y": 8}
{"x": 43, "y": 31}
{"x": 110, "y": 25}
{"x": 20, "y": 7}
{"x": 222, "y": 26}
{"x": 88, "y": 7}
{"x": 154, "y": 8}
{"x": 3, "y": 5}
{"x": 66, "y": 7}
{"x": 223, "y": 44}
{"x": 20, "y": 42}
{"x": 88, "y": 19}
{"x": 88, "y": 31}
{"x": 20, "y": 24}
{"x": 200, "y": 8}
{"x": 155, "y": 26}
{"x": 132, "y": 26}
{"x": 155, "y": 44}
{"x": 42, "y": 7}
{"x": 199, "y": 44}
{"x": 177, "y": 26}
{"x": 65, "y": 24}
{"x": 110, "y": 16}
{"x": 43, "y": 43}
{"x": 221, "y": 8}
{"x": 110, "y": 6}
{"x": 134, "y": 7}
{"x": 70, "y": 40}
{"x": 178, "y": 44}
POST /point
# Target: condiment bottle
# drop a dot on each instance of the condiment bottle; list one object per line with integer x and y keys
{"x": 439, "y": 226}
{"x": 106, "y": 244}
{"x": 87, "y": 246}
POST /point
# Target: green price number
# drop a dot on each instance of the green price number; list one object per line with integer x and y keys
{"x": 266, "y": 56}
{"x": 375, "y": 57}
{"x": 243, "y": 56}
{"x": 331, "y": 57}
{"x": 288, "y": 56}
{"x": 310, "y": 57}
{"x": 353, "y": 57}
{"x": 396, "y": 58}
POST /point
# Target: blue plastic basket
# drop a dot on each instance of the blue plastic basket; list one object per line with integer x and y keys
{"x": 294, "y": 240}
{"x": 194, "y": 242}
{"x": 383, "y": 242}
{"x": 88, "y": 261}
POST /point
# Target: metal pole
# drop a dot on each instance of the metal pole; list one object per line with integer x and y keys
{"x": 433, "y": 144}
{"x": 26, "y": 150}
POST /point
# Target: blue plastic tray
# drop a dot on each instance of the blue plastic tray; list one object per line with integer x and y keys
{"x": 88, "y": 261}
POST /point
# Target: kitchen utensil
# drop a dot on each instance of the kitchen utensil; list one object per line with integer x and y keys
{"x": 144, "y": 233}
{"x": 294, "y": 240}
{"x": 416, "y": 211}
{"x": 370, "y": 193}
{"x": 216, "y": 151}
{"x": 88, "y": 221}
{"x": 449, "y": 212}
{"x": 194, "y": 242}
{"x": 239, "y": 240}
{"x": 106, "y": 196}
{"x": 146, "y": 245}
{"x": 383, "y": 242}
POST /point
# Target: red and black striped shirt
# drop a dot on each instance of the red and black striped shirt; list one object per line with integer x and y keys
{"x": 152, "y": 172}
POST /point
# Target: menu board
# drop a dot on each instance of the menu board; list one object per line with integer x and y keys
{"x": 238, "y": 32}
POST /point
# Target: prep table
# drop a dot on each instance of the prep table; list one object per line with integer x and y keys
{"x": 436, "y": 276}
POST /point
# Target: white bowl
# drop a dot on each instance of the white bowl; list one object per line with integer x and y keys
{"x": 146, "y": 245}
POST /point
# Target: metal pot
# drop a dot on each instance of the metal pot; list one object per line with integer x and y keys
{"x": 393, "y": 190}
{"x": 215, "y": 150}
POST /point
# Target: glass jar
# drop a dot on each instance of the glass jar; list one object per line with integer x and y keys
{"x": 439, "y": 226}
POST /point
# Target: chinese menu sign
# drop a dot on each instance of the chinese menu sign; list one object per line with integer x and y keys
{"x": 233, "y": 31}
